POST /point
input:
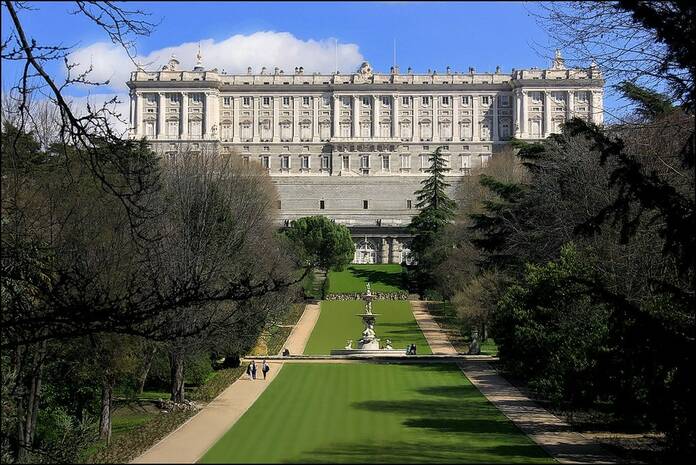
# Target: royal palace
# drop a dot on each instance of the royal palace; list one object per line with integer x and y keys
{"x": 354, "y": 147}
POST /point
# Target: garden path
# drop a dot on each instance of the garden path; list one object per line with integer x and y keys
{"x": 547, "y": 430}
{"x": 191, "y": 440}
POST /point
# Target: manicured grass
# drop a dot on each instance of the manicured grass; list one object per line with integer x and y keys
{"x": 373, "y": 413}
{"x": 338, "y": 323}
{"x": 382, "y": 278}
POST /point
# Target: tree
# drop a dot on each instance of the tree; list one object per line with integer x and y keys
{"x": 321, "y": 243}
{"x": 436, "y": 210}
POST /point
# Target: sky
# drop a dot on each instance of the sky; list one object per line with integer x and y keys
{"x": 235, "y": 35}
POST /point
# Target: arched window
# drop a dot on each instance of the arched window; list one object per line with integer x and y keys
{"x": 365, "y": 253}
{"x": 265, "y": 130}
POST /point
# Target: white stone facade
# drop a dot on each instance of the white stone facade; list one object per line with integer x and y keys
{"x": 315, "y": 132}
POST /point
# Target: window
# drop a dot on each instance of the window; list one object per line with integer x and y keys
{"x": 365, "y": 162}
{"x": 504, "y": 100}
{"x": 406, "y": 161}
{"x": 279, "y": 204}
{"x": 324, "y": 131}
{"x": 285, "y": 131}
{"x": 346, "y": 162}
{"x": 426, "y": 131}
{"x": 386, "y": 101}
{"x": 151, "y": 99}
{"x": 486, "y": 100}
{"x": 306, "y": 131}
{"x": 172, "y": 128}
{"x": 385, "y": 162}
{"x": 327, "y": 100}
{"x": 195, "y": 128}
{"x": 324, "y": 162}
{"x": 465, "y": 100}
{"x": 425, "y": 161}
{"x": 445, "y": 100}
{"x": 321, "y": 205}
{"x": 305, "y": 101}
{"x": 150, "y": 110}
{"x": 484, "y": 160}
{"x": 149, "y": 128}
{"x": 286, "y": 101}
{"x": 366, "y": 101}
{"x": 226, "y": 101}
{"x": 196, "y": 98}
{"x": 246, "y": 131}
{"x": 305, "y": 162}
{"x": 266, "y": 101}
{"x": 266, "y": 162}
{"x": 173, "y": 98}
{"x": 425, "y": 100}
{"x": 409, "y": 204}
{"x": 345, "y": 101}
{"x": 226, "y": 131}
{"x": 365, "y": 204}
{"x": 465, "y": 161}
{"x": 365, "y": 129}
{"x": 345, "y": 129}
{"x": 405, "y": 100}
{"x": 285, "y": 162}
{"x": 246, "y": 101}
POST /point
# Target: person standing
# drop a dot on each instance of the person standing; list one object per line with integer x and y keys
{"x": 265, "y": 369}
{"x": 253, "y": 369}
{"x": 248, "y": 371}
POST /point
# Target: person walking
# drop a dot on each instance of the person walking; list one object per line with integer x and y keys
{"x": 253, "y": 369}
{"x": 248, "y": 371}
{"x": 265, "y": 369}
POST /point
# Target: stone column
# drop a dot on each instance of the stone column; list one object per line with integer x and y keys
{"x": 184, "y": 115}
{"x": 211, "y": 120}
{"x": 596, "y": 107}
{"x": 375, "y": 116}
{"x": 315, "y": 118}
{"x": 436, "y": 118}
{"x": 395, "y": 117}
{"x": 455, "y": 118}
{"x": 547, "y": 113}
{"x": 475, "y": 118}
{"x": 570, "y": 104}
{"x": 395, "y": 251}
{"x": 494, "y": 126}
{"x": 131, "y": 114}
{"x": 255, "y": 133}
{"x": 161, "y": 113}
{"x": 415, "y": 136}
{"x": 523, "y": 114}
{"x": 336, "y": 115}
{"x": 356, "y": 116}
{"x": 516, "y": 118}
{"x": 139, "y": 132}
{"x": 276, "y": 119}
{"x": 236, "y": 130}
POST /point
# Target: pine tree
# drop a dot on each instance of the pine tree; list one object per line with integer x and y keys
{"x": 436, "y": 211}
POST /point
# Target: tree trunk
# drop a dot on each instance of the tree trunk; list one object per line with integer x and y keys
{"x": 105, "y": 416}
{"x": 176, "y": 365}
{"x": 30, "y": 371}
{"x": 147, "y": 363}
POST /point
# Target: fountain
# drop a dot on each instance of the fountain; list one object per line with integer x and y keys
{"x": 368, "y": 344}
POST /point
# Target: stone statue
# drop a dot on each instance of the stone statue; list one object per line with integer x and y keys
{"x": 388, "y": 345}
{"x": 349, "y": 346}
{"x": 475, "y": 344}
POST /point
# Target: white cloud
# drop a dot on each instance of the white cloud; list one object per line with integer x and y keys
{"x": 234, "y": 55}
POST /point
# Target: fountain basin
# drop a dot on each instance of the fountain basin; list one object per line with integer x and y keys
{"x": 371, "y": 352}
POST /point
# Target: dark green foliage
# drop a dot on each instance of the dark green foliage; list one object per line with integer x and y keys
{"x": 437, "y": 210}
{"x": 321, "y": 242}
{"x": 550, "y": 332}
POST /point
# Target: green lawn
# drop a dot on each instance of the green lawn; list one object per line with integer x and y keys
{"x": 338, "y": 323}
{"x": 383, "y": 278}
{"x": 373, "y": 413}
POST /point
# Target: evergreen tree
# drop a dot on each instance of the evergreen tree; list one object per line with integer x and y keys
{"x": 436, "y": 211}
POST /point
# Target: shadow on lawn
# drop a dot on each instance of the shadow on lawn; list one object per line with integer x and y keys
{"x": 381, "y": 277}
{"x": 433, "y": 451}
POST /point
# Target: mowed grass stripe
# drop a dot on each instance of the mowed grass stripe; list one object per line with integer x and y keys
{"x": 382, "y": 278}
{"x": 373, "y": 413}
{"x": 338, "y": 323}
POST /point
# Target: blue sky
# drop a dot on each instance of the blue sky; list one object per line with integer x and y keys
{"x": 429, "y": 35}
